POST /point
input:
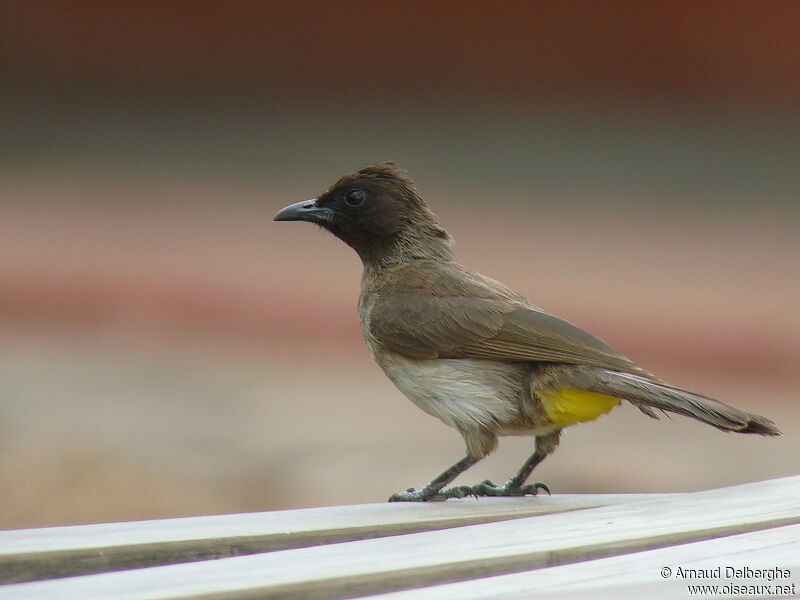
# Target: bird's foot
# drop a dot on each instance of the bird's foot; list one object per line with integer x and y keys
{"x": 432, "y": 495}
{"x": 487, "y": 488}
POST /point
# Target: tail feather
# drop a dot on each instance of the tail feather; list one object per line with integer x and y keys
{"x": 648, "y": 395}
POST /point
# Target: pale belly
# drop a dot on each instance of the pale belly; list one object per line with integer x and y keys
{"x": 463, "y": 393}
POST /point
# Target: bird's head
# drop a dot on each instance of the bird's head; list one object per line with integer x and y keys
{"x": 378, "y": 212}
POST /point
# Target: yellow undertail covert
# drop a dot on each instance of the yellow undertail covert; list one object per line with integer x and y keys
{"x": 568, "y": 406}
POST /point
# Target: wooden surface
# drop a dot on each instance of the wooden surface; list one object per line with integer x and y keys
{"x": 636, "y": 575}
{"x": 571, "y": 546}
{"x": 30, "y": 554}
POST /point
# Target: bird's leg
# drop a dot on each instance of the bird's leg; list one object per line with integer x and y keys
{"x": 515, "y": 486}
{"x": 432, "y": 491}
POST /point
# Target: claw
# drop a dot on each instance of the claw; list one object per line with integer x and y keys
{"x": 532, "y": 489}
{"x": 538, "y": 486}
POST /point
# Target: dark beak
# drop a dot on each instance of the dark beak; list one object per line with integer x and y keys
{"x": 306, "y": 210}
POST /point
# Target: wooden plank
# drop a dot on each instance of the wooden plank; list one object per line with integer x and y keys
{"x": 30, "y": 554}
{"x": 637, "y": 575}
{"x": 370, "y": 566}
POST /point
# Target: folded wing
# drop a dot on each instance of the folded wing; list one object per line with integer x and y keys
{"x": 420, "y": 326}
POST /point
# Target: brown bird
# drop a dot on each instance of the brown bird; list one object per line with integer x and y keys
{"x": 471, "y": 351}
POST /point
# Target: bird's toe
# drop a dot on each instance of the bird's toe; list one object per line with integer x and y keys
{"x": 414, "y": 495}
{"x": 487, "y": 488}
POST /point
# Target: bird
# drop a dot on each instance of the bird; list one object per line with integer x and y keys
{"x": 470, "y": 350}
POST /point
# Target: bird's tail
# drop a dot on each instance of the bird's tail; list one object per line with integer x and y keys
{"x": 645, "y": 394}
{"x": 648, "y": 395}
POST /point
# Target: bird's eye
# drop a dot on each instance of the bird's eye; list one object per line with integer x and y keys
{"x": 355, "y": 197}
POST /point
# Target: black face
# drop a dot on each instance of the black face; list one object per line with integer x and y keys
{"x": 365, "y": 211}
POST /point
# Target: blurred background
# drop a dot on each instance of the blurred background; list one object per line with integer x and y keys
{"x": 167, "y": 350}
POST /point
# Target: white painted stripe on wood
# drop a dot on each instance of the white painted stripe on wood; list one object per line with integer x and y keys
{"x": 28, "y": 554}
{"x": 413, "y": 560}
{"x": 636, "y": 575}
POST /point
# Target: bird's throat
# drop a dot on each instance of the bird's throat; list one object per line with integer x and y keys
{"x": 417, "y": 243}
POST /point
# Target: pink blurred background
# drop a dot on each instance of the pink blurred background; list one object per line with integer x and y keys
{"x": 167, "y": 350}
